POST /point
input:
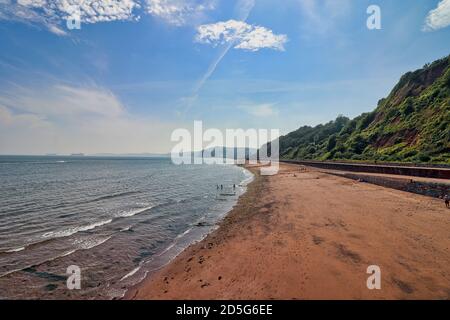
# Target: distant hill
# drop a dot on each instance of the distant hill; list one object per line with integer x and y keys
{"x": 411, "y": 125}
{"x": 235, "y": 153}
{"x": 131, "y": 155}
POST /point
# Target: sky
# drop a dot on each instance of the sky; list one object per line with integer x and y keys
{"x": 136, "y": 70}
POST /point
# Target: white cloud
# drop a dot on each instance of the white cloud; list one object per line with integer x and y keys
{"x": 8, "y": 119}
{"x": 28, "y": 13}
{"x": 241, "y": 34}
{"x": 243, "y": 8}
{"x": 93, "y": 11}
{"x": 56, "y": 30}
{"x": 53, "y": 13}
{"x": 62, "y": 101}
{"x": 438, "y": 18}
{"x": 66, "y": 119}
{"x": 179, "y": 12}
{"x": 22, "y": 131}
{"x": 32, "y": 3}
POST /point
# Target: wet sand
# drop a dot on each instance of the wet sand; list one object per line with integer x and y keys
{"x": 303, "y": 234}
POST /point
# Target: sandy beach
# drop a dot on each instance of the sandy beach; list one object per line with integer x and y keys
{"x": 303, "y": 234}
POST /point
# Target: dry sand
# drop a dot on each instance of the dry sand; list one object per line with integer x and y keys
{"x": 312, "y": 236}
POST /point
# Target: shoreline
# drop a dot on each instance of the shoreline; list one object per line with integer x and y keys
{"x": 303, "y": 234}
{"x": 254, "y": 184}
{"x": 249, "y": 180}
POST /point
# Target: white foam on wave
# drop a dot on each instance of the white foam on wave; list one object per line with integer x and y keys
{"x": 15, "y": 250}
{"x": 175, "y": 242}
{"x": 132, "y": 272}
{"x": 65, "y": 254}
{"x": 133, "y": 212}
{"x": 126, "y": 229}
{"x": 86, "y": 244}
{"x": 71, "y": 231}
{"x": 248, "y": 177}
{"x": 68, "y": 253}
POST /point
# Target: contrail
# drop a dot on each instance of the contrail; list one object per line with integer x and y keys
{"x": 212, "y": 68}
{"x": 243, "y": 10}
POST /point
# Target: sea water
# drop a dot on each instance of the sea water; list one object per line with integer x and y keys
{"x": 117, "y": 219}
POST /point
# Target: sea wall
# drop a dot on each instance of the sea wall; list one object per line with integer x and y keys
{"x": 427, "y": 172}
{"x": 431, "y": 189}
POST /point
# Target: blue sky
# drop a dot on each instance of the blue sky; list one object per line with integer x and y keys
{"x": 138, "y": 69}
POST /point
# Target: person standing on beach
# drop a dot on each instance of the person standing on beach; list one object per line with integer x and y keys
{"x": 447, "y": 201}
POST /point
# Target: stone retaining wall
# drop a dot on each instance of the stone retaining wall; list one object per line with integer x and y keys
{"x": 436, "y": 190}
{"x": 438, "y": 173}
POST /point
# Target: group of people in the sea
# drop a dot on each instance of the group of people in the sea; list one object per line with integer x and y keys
{"x": 221, "y": 187}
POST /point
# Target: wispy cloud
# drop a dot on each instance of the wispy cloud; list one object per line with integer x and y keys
{"x": 260, "y": 110}
{"x": 8, "y": 119}
{"x": 180, "y": 12}
{"x": 241, "y": 35}
{"x": 322, "y": 15}
{"x": 62, "y": 101}
{"x": 27, "y": 12}
{"x": 438, "y": 18}
{"x": 66, "y": 119}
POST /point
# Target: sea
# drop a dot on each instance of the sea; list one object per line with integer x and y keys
{"x": 108, "y": 221}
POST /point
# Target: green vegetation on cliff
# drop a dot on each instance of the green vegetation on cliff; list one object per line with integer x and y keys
{"x": 411, "y": 125}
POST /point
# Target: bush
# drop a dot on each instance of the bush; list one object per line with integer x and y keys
{"x": 423, "y": 157}
{"x": 331, "y": 144}
{"x": 358, "y": 144}
{"x": 408, "y": 107}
